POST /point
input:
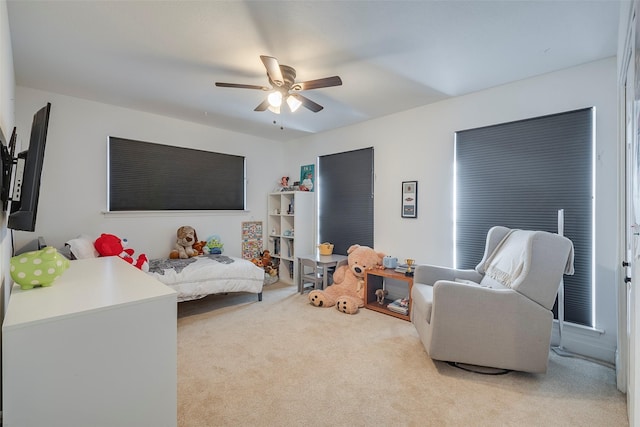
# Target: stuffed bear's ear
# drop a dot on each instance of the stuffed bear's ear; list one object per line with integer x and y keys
{"x": 380, "y": 257}
{"x": 352, "y": 248}
{"x": 195, "y": 236}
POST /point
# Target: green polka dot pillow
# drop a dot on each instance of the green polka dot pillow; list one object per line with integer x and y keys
{"x": 37, "y": 268}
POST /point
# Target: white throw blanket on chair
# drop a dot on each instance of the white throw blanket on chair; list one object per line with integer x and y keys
{"x": 508, "y": 260}
{"x": 511, "y": 258}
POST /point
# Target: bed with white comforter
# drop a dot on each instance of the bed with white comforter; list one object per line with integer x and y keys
{"x": 197, "y": 277}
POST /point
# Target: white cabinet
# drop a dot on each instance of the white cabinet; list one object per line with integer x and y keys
{"x": 291, "y": 228}
{"x": 97, "y": 348}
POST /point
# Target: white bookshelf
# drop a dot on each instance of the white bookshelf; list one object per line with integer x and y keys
{"x": 291, "y": 229}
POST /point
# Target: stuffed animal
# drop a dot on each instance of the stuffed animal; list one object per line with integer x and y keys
{"x": 271, "y": 271}
{"x": 111, "y": 245}
{"x": 380, "y": 294}
{"x": 266, "y": 259}
{"x": 186, "y": 237}
{"x": 214, "y": 245}
{"x": 347, "y": 290}
{"x": 199, "y": 247}
{"x": 38, "y": 268}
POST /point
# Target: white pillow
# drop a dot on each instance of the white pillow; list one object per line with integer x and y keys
{"x": 82, "y": 247}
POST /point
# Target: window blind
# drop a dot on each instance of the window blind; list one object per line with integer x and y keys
{"x": 144, "y": 176}
{"x": 518, "y": 175}
{"x": 345, "y": 192}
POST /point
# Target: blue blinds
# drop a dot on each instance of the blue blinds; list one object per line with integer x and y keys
{"x": 345, "y": 186}
{"x": 519, "y": 175}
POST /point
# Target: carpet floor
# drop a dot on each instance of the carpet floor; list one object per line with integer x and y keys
{"x": 283, "y": 362}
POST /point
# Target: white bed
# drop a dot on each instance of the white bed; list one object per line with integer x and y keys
{"x": 204, "y": 275}
{"x": 192, "y": 278}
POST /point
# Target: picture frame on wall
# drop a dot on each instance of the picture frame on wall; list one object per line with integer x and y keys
{"x": 409, "y": 199}
{"x": 307, "y": 178}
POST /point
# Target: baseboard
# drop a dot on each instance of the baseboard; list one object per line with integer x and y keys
{"x": 584, "y": 341}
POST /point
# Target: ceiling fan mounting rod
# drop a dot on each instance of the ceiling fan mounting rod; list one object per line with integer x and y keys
{"x": 288, "y": 75}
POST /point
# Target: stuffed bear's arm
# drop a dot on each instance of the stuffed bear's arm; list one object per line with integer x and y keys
{"x": 338, "y": 275}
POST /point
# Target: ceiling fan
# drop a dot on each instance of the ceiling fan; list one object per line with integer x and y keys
{"x": 284, "y": 88}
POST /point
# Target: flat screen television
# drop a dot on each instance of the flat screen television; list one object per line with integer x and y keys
{"x": 26, "y": 188}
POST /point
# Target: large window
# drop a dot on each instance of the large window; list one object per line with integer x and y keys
{"x": 519, "y": 175}
{"x": 345, "y": 187}
{"x": 152, "y": 177}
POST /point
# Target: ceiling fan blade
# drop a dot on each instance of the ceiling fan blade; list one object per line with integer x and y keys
{"x": 241, "y": 86}
{"x": 263, "y": 106}
{"x": 307, "y": 103}
{"x": 317, "y": 84}
{"x": 273, "y": 69}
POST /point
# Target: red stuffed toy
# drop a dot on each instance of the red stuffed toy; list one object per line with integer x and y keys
{"x": 110, "y": 245}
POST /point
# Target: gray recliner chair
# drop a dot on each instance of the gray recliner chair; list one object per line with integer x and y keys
{"x": 498, "y": 315}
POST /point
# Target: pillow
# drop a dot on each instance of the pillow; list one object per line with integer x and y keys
{"x": 82, "y": 247}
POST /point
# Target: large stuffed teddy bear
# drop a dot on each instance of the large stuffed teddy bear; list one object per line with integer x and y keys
{"x": 110, "y": 245}
{"x": 347, "y": 290}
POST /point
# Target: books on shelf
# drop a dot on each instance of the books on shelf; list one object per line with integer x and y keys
{"x": 401, "y": 305}
{"x": 402, "y": 268}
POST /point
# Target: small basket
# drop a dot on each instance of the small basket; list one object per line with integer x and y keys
{"x": 325, "y": 248}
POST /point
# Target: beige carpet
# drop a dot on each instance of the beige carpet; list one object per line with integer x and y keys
{"x": 283, "y": 362}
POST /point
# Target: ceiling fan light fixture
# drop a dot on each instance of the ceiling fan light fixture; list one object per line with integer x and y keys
{"x": 275, "y": 99}
{"x": 293, "y": 103}
{"x": 282, "y": 79}
{"x": 273, "y": 109}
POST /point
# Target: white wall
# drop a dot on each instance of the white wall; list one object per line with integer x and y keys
{"x": 7, "y": 118}
{"x": 412, "y": 145}
{"x": 73, "y": 190}
{"x": 418, "y": 145}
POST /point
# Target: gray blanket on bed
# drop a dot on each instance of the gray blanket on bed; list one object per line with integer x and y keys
{"x": 160, "y": 265}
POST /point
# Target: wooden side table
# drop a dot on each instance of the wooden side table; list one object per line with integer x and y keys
{"x": 374, "y": 279}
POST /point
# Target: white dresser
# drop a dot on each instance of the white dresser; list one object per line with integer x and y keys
{"x": 97, "y": 348}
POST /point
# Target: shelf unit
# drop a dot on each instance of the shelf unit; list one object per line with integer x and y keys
{"x": 374, "y": 279}
{"x": 291, "y": 229}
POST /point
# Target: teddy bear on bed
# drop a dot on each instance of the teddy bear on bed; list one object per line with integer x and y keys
{"x": 347, "y": 290}
{"x": 186, "y": 238}
{"x": 111, "y": 245}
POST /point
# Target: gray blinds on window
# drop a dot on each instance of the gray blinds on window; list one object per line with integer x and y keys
{"x": 346, "y": 199}
{"x": 519, "y": 175}
{"x": 144, "y": 176}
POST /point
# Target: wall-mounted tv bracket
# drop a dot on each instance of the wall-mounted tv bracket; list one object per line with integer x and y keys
{"x": 7, "y": 162}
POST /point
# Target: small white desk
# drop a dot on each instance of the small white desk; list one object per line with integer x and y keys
{"x": 324, "y": 261}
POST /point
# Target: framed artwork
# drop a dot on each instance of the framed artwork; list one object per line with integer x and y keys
{"x": 410, "y": 199}
{"x": 307, "y": 178}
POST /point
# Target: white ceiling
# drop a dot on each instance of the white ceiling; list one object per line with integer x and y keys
{"x": 165, "y": 56}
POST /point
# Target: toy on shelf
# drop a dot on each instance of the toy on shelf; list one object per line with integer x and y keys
{"x": 380, "y": 294}
{"x": 37, "y": 268}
